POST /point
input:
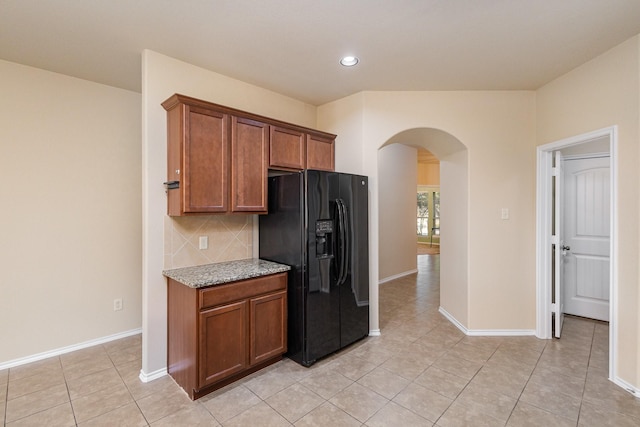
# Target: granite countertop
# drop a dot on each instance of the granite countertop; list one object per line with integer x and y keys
{"x": 224, "y": 272}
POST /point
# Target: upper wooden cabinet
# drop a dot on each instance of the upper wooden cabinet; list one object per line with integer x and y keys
{"x": 217, "y": 161}
{"x": 198, "y": 159}
{"x": 320, "y": 152}
{"x": 293, "y": 149}
{"x": 287, "y": 148}
{"x": 218, "y": 157}
{"x": 249, "y": 163}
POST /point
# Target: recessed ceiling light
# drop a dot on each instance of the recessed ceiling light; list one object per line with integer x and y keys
{"x": 349, "y": 61}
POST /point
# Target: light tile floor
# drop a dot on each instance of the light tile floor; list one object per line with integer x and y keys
{"x": 422, "y": 371}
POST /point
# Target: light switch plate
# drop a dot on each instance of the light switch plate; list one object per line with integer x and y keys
{"x": 204, "y": 242}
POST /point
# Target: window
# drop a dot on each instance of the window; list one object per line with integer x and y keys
{"x": 436, "y": 213}
{"x": 428, "y": 204}
{"x": 423, "y": 214}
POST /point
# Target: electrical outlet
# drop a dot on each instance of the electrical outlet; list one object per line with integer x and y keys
{"x": 117, "y": 304}
{"x": 204, "y": 242}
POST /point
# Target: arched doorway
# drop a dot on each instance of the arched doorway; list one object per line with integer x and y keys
{"x": 453, "y": 157}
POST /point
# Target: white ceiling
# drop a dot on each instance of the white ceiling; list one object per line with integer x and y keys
{"x": 293, "y": 46}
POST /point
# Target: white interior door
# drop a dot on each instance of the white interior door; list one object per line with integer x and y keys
{"x": 556, "y": 240}
{"x": 585, "y": 230}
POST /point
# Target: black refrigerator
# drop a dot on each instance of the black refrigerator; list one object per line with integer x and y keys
{"x": 317, "y": 223}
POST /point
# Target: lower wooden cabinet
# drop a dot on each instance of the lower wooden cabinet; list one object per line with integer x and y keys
{"x": 219, "y": 334}
{"x": 268, "y": 334}
{"x": 223, "y": 342}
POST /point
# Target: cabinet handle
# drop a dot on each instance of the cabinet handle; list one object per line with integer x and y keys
{"x": 172, "y": 185}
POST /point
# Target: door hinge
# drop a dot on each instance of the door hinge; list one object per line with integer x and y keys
{"x": 555, "y": 171}
{"x": 553, "y": 307}
{"x": 555, "y": 240}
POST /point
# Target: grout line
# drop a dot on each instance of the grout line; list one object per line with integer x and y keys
{"x": 66, "y": 384}
{"x": 6, "y": 398}
{"x": 527, "y": 383}
{"x": 584, "y": 387}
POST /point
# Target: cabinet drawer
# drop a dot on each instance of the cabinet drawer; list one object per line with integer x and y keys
{"x": 217, "y": 295}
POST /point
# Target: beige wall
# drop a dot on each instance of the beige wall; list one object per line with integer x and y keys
{"x": 498, "y": 130}
{"x": 71, "y": 214}
{"x": 454, "y": 235}
{"x": 601, "y": 93}
{"x": 397, "y": 172}
{"x": 347, "y": 116}
{"x": 162, "y": 77}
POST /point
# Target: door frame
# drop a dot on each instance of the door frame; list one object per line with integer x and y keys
{"x": 544, "y": 229}
{"x": 568, "y": 161}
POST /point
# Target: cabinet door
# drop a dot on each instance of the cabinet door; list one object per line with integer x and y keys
{"x": 286, "y": 148}
{"x": 320, "y": 153}
{"x": 206, "y": 158}
{"x": 267, "y": 327}
{"x": 223, "y": 342}
{"x": 249, "y": 151}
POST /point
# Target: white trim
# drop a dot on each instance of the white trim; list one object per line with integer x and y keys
{"x": 501, "y": 333}
{"x": 585, "y": 156}
{"x": 625, "y": 385}
{"x": 453, "y": 320}
{"x": 613, "y": 256}
{"x": 374, "y": 332}
{"x": 543, "y": 246}
{"x": 543, "y": 238}
{"x": 486, "y": 332}
{"x": 145, "y": 378}
{"x": 397, "y": 276}
{"x": 63, "y": 350}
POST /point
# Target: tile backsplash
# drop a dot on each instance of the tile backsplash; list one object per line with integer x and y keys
{"x": 230, "y": 238}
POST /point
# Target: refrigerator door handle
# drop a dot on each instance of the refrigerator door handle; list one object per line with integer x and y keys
{"x": 338, "y": 243}
{"x": 347, "y": 240}
{"x": 343, "y": 241}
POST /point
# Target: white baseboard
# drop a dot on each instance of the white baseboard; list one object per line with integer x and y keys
{"x": 396, "y": 276}
{"x": 145, "y": 378}
{"x": 626, "y": 386}
{"x": 486, "y": 332}
{"x": 453, "y": 320}
{"x": 501, "y": 332}
{"x": 374, "y": 332}
{"x": 63, "y": 350}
